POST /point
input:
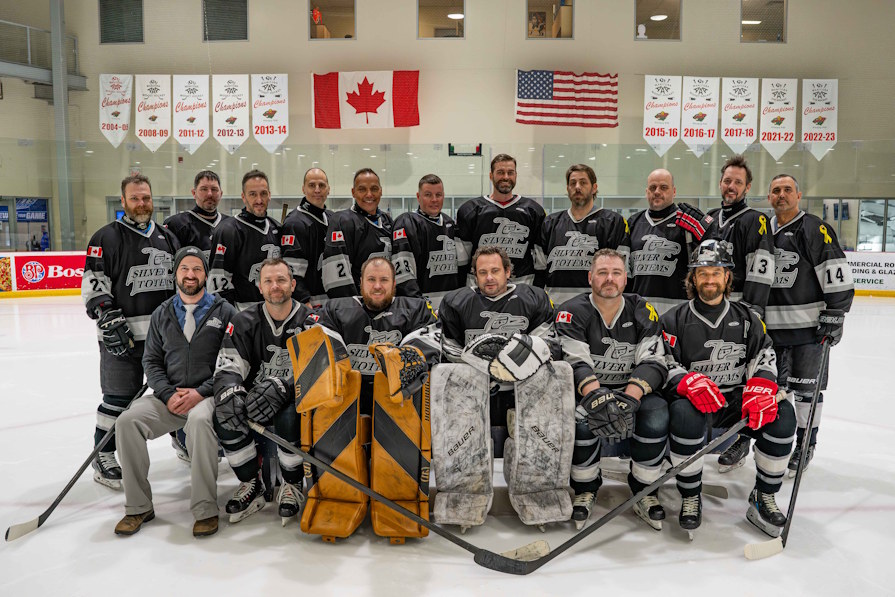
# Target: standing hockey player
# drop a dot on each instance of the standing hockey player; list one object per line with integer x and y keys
{"x": 303, "y": 236}
{"x": 354, "y": 235}
{"x": 242, "y": 243}
{"x": 127, "y": 274}
{"x": 254, "y": 368}
{"x": 813, "y": 290}
{"x": 724, "y": 369}
{"x": 614, "y": 343}
{"x": 570, "y": 238}
{"x": 504, "y": 220}
{"x": 185, "y": 333}
{"x": 196, "y": 226}
{"x": 659, "y": 246}
{"x": 425, "y": 246}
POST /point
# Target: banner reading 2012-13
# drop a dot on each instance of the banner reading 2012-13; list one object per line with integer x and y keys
{"x": 230, "y": 118}
{"x": 661, "y": 111}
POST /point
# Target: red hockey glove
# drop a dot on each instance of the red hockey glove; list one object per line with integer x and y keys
{"x": 692, "y": 220}
{"x": 701, "y": 391}
{"x": 759, "y": 402}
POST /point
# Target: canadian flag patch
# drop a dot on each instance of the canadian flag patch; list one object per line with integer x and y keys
{"x": 399, "y": 233}
{"x": 220, "y": 250}
{"x": 338, "y": 236}
{"x": 314, "y": 317}
{"x": 229, "y": 330}
{"x": 288, "y": 239}
{"x": 94, "y": 251}
{"x": 670, "y": 338}
{"x": 563, "y": 317}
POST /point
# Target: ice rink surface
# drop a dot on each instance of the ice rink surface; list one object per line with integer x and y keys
{"x": 841, "y": 543}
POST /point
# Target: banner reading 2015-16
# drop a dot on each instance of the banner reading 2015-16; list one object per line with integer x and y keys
{"x": 661, "y": 111}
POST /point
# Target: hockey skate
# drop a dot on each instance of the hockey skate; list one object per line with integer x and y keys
{"x": 793, "y": 465}
{"x": 177, "y": 442}
{"x": 248, "y": 499}
{"x": 650, "y": 511}
{"x": 764, "y": 513}
{"x": 107, "y": 471}
{"x": 734, "y": 456}
{"x": 691, "y": 514}
{"x": 290, "y": 500}
{"x": 581, "y": 507}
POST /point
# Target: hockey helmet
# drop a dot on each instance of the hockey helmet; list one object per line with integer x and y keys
{"x": 712, "y": 253}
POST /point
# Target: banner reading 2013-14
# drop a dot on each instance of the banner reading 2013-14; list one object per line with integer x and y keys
{"x": 270, "y": 110}
{"x": 661, "y": 111}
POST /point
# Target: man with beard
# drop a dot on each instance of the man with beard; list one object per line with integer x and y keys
{"x": 196, "y": 226}
{"x": 570, "y": 238}
{"x": 303, "y": 236}
{"x": 185, "y": 333}
{"x": 504, "y": 220}
{"x": 614, "y": 343}
{"x": 724, "y": 368}
{"x": 253, "y": 367}
{"x": 424, "y": 246}
{"x": 356, "y": 235}
{"x": 242, "y": 243}
{"x": 127, "y": 274}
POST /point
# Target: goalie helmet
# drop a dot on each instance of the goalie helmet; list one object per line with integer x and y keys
{"x": 712, "y": 253}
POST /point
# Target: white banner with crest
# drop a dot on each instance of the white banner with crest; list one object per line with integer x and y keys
{"x": 699, "y": 117}
{"x": 190, "y": 111}
{"x": 230, "y": 119}
{"x": 661, "y": 111}
{"x": 739, "y": 112}
{"x": 820, "y": 110}
{"x": 152, "y": 119}
{"x": 115, "y": 106}
{"x": 270, "y": 110}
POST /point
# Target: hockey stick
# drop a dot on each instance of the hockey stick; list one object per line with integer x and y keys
{"x": 285, "y": 210}
{"x": 512, "y": 562}
{"x": 23, "y": 528}
{"x": 766, "y": 549}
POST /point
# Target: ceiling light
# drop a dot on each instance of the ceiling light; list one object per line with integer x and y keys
{"x": 658, "y": 17}
{"x": 457, "y": 16}
{"x": 751, "y": 22}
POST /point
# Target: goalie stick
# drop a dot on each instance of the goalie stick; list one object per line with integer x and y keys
{"x": 766, "y": 549}
{"x": 23, "y": 528}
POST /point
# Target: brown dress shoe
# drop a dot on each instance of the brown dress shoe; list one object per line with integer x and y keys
{"x": 205, "y": 527}
{"x": 131, "y": 523}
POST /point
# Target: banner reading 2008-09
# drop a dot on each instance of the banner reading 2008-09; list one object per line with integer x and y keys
{"x": 152, "y": 118}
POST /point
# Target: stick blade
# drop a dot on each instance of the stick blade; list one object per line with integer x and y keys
{"x": 20, "y": 530}
{"x": 528, "y": 553}
{"x": 715, "y": 491}
{"x": 765, "y": 549}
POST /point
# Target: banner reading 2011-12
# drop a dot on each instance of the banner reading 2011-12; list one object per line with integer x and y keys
{"x": 739, "y": 111}
{"x": 190, "y": 97}
{"x": 230, "y": 117}
{"x": 661, "y": 111}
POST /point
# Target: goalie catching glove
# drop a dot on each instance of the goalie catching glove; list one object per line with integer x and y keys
{"x": 230, "y": 409}
{"x": 609, "y": 414}
{"x": 117, "y": 336}
{"x": 508, "y": 359}
{"x": 759, "y": 402}
{"x": 267, "y": 398}
{"x": 405, "y": 368}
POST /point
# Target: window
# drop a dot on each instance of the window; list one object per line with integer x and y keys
{"x": 441, "y": 18}
{"x": 763, "y": 21}
{"x": 225, "y": 20}
{"x": 331, "y": 19}
{"x": 549, "y": 19}
{"x": 120, "y": 21}
{"x": 657, "y": 20}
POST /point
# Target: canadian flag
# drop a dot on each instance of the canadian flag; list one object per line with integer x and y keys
{"x": 229, "y": 330}
{"x": 288, "y": 239}
{"x": 563, "y": 317}
{"x": 94, "y": 251}
{"x": 399, "y": 233}
{"x": 366, "y": 100}
{"x": 338, "y": 236}
{"x": 220, "y": 250}
{"x": 670, "y": 338}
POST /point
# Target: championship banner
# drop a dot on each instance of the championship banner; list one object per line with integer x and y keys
{"x": 230, "y": 118}
{"x": 661, "y": 111}
{"x": 699, "y": 117}
{"x": 152, "y": 118}
{"x": 778, "y": 115}
{"x": 820, "y": 110}
{"x": 115, "y": 106}
{"x": 739, "y": 113}
{"x": 270, "y": 110}
{"x": 190, "y": 111}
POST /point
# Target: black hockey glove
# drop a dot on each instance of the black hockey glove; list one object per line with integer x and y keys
{"x": 609, "y": 414}
{"x": 692, "y": 220}
{"x": 230, "y": 409}
{"x": 267, "y": 398}
{"x": 117, "y": 336}
{"x": 829, "y": 326}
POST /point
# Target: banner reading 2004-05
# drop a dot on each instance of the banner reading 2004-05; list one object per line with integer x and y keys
{"x": 115, "y": 106}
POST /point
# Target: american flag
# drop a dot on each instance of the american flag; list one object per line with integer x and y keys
{"x": 562, "y": 98}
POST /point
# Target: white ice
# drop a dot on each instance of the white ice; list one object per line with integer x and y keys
{"x": 842, "y": 538}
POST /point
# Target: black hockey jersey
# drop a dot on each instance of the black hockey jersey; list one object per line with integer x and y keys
{"x": 612, "y": 353}
{"x": 660, "y": 252}
{"x": 192, "y": 229}
{"x": 131, "y": 269}
{"x": 254, "y": 346}
{"x": 727, "y": 343}
{"x": 570, "y": 245}
{"x": 353, "y": 236}
{"x": 753, "y": 251}
{"x": 240, "y": 245}
{"x": 302, "y": 237}
{"x": 811, "y": 274}
{"x": 425, "y": 256}
{"x": 516, "y": 226}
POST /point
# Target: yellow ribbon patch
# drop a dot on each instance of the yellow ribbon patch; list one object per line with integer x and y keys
{"x": 627, "y": 230}
{"x": 823, "y": 230}
{"x": 764, "y": 225}
{"x": 653, "y": 316}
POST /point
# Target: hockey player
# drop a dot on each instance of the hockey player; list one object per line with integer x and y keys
{"x": 425, "y": 247}
{"x": 254, "y": 367}
{"x": 196, "y": 226}
{"x": 242, "y": 243}
{"x": 570, "y": 238}
{"x": 659, "y": 246}
{"x": 303, "y": 236}
{"x": 724, "y": 369}
{"x": 614, "y": 343}
{"x": 813, "y": 290}
{"x": 185, "y": 333}
{"x": 127, "y": 274}
{"x": 505, "y": 220}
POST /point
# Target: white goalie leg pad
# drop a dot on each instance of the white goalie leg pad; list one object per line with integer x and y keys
{"x": 461, "y": 445}
{"x": 538, "y": 460}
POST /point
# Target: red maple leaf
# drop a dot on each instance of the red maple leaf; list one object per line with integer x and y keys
{"x": 365, "y": 100}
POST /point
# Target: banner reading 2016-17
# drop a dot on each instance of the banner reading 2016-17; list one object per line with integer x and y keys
{"x": 699, "y": 117}
{"x": 739, "y": 111}
{"x": 820, "y": 115}
{"x": 661, "y": 111}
